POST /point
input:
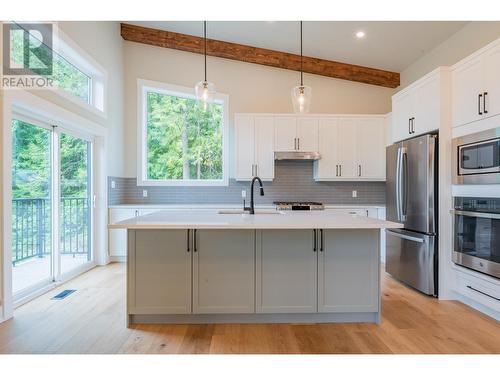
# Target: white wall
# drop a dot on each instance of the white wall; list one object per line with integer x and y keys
{"x": 251, "y": 88}
{"x": 470, "y": 38}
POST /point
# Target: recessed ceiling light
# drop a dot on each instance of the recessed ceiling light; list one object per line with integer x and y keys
{"x": 360, "y": 34}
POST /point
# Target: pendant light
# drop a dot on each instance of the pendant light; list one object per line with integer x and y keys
{"x": 301, "y": 95}
{"x": 205, "y": 91}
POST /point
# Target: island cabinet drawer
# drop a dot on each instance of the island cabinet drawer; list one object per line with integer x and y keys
{"x": 348, "y": 274}
{"x": 159, "y": 267}
{"x": 286, "y": 271}
{"x": 223, "y": 271}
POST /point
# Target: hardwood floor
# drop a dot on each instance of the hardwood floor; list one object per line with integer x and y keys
{"x": 92, "y": 320}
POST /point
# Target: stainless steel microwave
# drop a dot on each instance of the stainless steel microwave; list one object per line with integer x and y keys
{"x": 476, "y": 158}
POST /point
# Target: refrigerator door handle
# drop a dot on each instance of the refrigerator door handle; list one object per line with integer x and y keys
{"x": 405, "y": 237}
{"x": 404, "y": 183}
{"x": 398, "y": 175}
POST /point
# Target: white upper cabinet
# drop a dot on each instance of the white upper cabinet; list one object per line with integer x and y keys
{"x": 285, "y": 133}
{"x": 417, "y": 109}
{"x": 371, "y": 148}
{"x": 254, "y": 147}
{"x": 307, "y": 134}
{"x": 347, "y": 148}
{"x": 476, "y": 86}
{"x": 327, "y": 166}
{"x": 296, "y": 134}
{"x": 264, "y": 147}
{"x": 351, "y": 148}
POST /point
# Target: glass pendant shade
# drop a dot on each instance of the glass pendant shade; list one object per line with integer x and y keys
{"x": 301, "y": 99}
{"x": 205, "y": 93}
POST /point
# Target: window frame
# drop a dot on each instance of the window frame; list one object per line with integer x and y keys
{"x": 73, "y": 54}
{"x": 145, "y": 86}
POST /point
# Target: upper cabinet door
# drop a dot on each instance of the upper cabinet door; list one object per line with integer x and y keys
{"x": 492, "y": 81}
{"x": 245, "y": 146}
{"x": 467, "y": 86}
{"x": 264, "y": 147}
{"x": 371, "y": 148}
{"x": 402, "y": 111}
{"x": 307, "y": 134}
{"x": 426, "y": 105}
{"x": 347, "y": 148}
{"x": 327, "y": 166}
{"x": 285, "y": 133}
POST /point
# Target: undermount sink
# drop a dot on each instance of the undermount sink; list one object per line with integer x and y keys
{"x": 257, "y": 212}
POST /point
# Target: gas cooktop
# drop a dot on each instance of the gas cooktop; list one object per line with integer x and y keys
{"x": 299, "y": 206}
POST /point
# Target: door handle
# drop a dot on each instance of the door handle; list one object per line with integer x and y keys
{"x": 315, "y": 240}
{"x": 479, "y": 104}
{"x": 484, "y": 215}
{"x": 188, "y": 248}
{"x": 321, "y": 240}
{"x": 484, "y": 102}
{"x": 405, "y": 237}
{"x": 195, "y": 245}
{"x": 404, "y": 196}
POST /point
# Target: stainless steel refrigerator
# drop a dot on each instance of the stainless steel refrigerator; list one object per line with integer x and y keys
{"x": 411, "y": 196}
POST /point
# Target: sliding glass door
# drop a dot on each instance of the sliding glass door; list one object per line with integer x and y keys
{"x": 32, "y": 250}
{"x": 51, "y": 205}
{"x": 74, "y": 206}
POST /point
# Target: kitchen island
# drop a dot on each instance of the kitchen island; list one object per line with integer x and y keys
{"x": 209, "y": 266}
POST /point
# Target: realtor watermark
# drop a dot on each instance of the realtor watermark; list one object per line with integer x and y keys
{"x": 28, "y": 56}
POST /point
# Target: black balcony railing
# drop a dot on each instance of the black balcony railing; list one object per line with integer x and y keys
{"x": 32, "y": 232}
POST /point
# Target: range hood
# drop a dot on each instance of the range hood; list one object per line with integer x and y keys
{"x": 297, "y": 155}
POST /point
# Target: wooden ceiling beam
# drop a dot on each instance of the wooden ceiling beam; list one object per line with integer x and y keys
{"x": 255, "y": 55}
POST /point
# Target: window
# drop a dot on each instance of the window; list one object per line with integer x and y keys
{"x": 180, "y": 142}
{"x": 74, "y": 75}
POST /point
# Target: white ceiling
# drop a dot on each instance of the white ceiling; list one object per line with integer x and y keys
{"x": 387, "y": 45}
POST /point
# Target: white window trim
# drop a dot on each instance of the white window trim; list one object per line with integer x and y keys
{"x": 21, "y": 102}
{"x": 142, "y": 87}
{"x": 77, "y": 56}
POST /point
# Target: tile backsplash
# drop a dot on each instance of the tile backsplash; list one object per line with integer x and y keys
{"x": 293, "y": 181}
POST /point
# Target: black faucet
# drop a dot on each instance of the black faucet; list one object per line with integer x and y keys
{"x": 251, "y": 209}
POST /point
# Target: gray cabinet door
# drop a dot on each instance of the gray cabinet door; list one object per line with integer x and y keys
{"x": 348, "y": 271}
{"x": 159, "y": 264}
{"x": 224, "y": 271}
{"x": 286, "y": 271}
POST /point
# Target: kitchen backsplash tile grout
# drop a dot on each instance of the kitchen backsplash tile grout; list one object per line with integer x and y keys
{"x": 293, "y": 181}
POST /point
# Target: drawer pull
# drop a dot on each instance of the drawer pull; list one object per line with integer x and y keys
{"x": 483, "y": 293}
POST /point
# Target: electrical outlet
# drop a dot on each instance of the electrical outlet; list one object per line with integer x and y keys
{"x": 145, "y": 193}
{"x": 113, "y": 184}
{"x": 243, "y": 193}
{"x": 354, "y": 193}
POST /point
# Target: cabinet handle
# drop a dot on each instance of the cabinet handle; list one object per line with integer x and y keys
{"x": 195, "y": 248}
{"x": 409, "y": 125}
{"x": 484, "y": 102}
{"x": 340, "y": 170}
{"x": 321, "y": 240}
{"x": 295, "y": 144}
{"x": 483, "y": 293}
{"x": 412, "y": 125}
{"x": 337, "y": 170}
{"x": 359, "y": 170}
{"x": 479, "y": 104}
{"x": 188, "y": 248}
{"x": 298, "y": 144}
{"x": 256, "y": 169}
{"x": 136, "y": 213}
{"x": 315, "y": 240}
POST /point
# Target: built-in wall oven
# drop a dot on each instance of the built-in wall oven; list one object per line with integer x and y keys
{"x": 477, "y": 158}
{"x": 477, "y": 234}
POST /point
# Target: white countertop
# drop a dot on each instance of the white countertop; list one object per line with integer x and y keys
{"x": 267, "y": 219}
{"x": 208, "y": 206}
